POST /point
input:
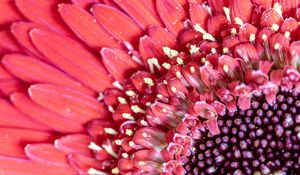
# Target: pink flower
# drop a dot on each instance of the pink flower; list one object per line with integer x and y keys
{"x": 146, "y": 87}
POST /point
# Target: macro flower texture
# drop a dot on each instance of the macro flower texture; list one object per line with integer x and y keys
{"x": 149, "y": 87}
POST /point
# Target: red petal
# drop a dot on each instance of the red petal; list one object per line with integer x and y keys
{"x": 266, "y": 4}
{"x": 162, "y": 36}
{"x": 7, "y": 43}
{"x": 199, "y": 15}
{"x": 42, "y": 115}
{"x": 9, "y": 12}
{"x": 73, "y": 58}
{"x": 20, "y": 31}
{"x": 12, "y": 141}
{"x": 118, "y": 63}
{"x": 68, "y": 102}
{"x": 85, "y": 4}
{"x": 217, "y": 5}
{"x": 45, "y": 154}
{"x": 148, "y": 48}
{"x": 17, "y": 166}
{"x": 76, "y": 143}
{"x": 43, "y": 13}
{"x": 9, "y": 86}
{"x": 144, "y": 14}
{"x": 4, "y": 74}
{"x": 117, "y": 23}
{"x": 26, "y": 68}
{"x": 11, "y": 117}
{"x": 241, "y": 9}
{"x": 172, "y": 14}
{"x": 83, "y": 163}
{"x": 88, "y": 31}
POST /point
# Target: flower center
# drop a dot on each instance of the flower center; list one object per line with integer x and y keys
{"x": 261, "y": 140}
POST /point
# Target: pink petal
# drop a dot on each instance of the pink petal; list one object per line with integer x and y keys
{"x": 172, "y": 14}
{"x": 241, "y": 9}
{"x": 12, "y": 141}
{"x": 44, "y": 116}
{"x": 83, "y": 163}
{"x": 4, "y": 74}
{"x": 11, "y": 117}
{"x": 73, "y": 58}
{"x": 217, "y": 5}
{"x": 199, "y": 15}
{"x": 115, "y": 22}
{"x": 18, "y": 166}
{"x": 20, "y": 31}
{"x": 9, "y": 86}
{"x": 9, "y": 12}
{"x": 45, "y": 154}
{"x": 43, "y": 13}
{"x": 7, "y": 42}
{"x": 88, "y": 31}
{"x": 148, "y": 48}
{"x": 162, "y": 36}
{"x": 118, "y": 63}
{"x": 26, "y": 68}
{"x": 76, "y": 143}
{"x": 72, "y": 104}
{"x": 144, "y": 14}
{"x": 85, "y": 4}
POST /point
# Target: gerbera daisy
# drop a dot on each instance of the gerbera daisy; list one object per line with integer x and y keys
{"x": 146, "y": 87}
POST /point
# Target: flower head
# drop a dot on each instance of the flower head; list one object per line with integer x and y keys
{"x": 150, "y": 87}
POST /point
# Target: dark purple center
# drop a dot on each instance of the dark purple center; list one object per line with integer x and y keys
{"x": 262, "y": 140}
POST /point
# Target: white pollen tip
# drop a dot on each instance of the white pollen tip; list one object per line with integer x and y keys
{"x": 179, "y": 61}
{"x": 130, "y": 93}
{"x": 275, "y": 27}
{"x": 115, "y": 171}
{"x": 149, "y": 81}
{"x": 118, "y": 85}
{"x": 166, "y": 66}
{"x": 277, "y": 46}
{"x": 194, "y": 49}
{"x": 128, "y": 116}
{"x": 171, "y": 53}
{"x": 93, "y": 171}
{"x": 94, "y": 146}
{"x": 238, "y": 21}
{"x": 252, "y": 37}
{"x": 122, "y": 100}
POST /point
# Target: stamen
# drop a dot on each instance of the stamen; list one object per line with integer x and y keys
{"x": 171, "y": 53}
{"x": 110, "y": 131}
{"x": 166, "y": 65}
{"x": 128, "y": 116}
{"x": 93, "y": 171}
{"x": 109, "y": 150}
{"x": 137, "y": 109}
{"x": 149, "y": 81}
{"x": 130, "y": 93}
{"x": 194, "y": 49}
{"x": 122, "y": 100}
{"x": 118, "y": 85}
{"x": 94, "y": 146}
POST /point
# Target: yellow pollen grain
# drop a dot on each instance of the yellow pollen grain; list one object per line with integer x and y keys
{"x": 238, "y": 21}
{"x": 115, "y": 171}
{"x": 194, "y": 49}
{"x": 127, "y": 116}
{"x": 227, "y": 13}
{"x": 129, "y": 132}
{"x": 125, "y": 155}
{"x": 192, "y": 69}
{"x": 122, "y": 100}
{"x": 94, "y": 146}
{"x": 130, "y": 93}
{"x": 93, "y": 171}
{"x": 252, "y": 37}
{"x": 287, "y": 34}
{"x": 110, "y": 131}
{"x": 179, "y": 61}
{"x": 226, "y": 68}
{"x": 111, "y": 109}
{"x": 131, "y": 144}
{"x": 173, "y": 89}
{"x": 277, "y": 46}
{"x": 233, "y": 31}
{"x": 118, "y": 85}
{"x": 137, "y": 109}
{"x": 275, "y": 27}
{"x": 264, "y": 37}
{"x": 166, "y": 65}
{"x": 118, "y": 142}
{"x": 171, "y": 53}
{"x": 225, "y": 50}
{"x": 149, "y": 81}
